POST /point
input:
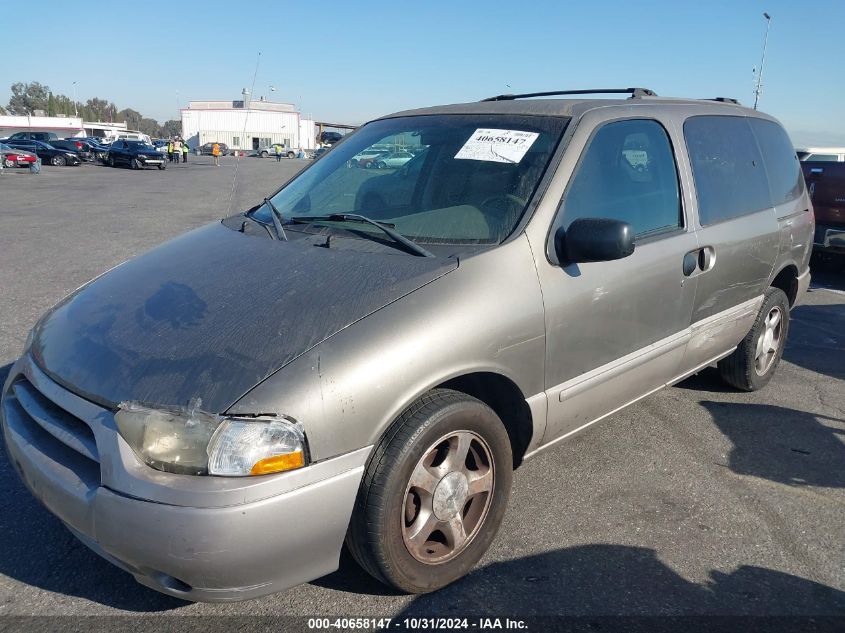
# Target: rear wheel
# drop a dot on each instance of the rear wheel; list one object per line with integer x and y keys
{"x": 9, "y": 163}
{"x": 58, "y": 161}
{"x": 264, "y": 154}
{"x": 291, "y": 155}
{"x": 753, "y": 363}
{"x": 434, "y": 493}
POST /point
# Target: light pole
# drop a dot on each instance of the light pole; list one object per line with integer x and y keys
{"x": 75, "y": 109}
{"x": 758, "y": 88}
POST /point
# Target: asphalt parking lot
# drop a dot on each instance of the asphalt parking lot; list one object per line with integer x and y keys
{"x": 697, "y": 500}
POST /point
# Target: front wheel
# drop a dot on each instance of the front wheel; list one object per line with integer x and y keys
{"x": 111, "y": 160}
{"x": 134, "y": 164}
{"x": 9, "y": 163}
{"x": 162, "y": 166}
{"x": 751, "y": 366}
{"x": 291, "y": 155}
{"x": 433, "y": 494}
{"x": 58, "y": 161}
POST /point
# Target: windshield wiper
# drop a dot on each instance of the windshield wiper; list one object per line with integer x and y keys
{"x": 277, "y": 220}
{"x": 355, "y": 217}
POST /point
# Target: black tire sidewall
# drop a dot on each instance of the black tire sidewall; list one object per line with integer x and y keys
{"x": 403, "y": 570}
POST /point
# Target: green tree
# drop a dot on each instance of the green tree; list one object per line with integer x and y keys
{"x": 2, "y": 111}
{"x": 171, "y": 128}
{"x": 27, "y": 98}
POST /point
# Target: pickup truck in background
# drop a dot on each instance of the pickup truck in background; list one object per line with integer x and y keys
{"x": 826, "y": 185}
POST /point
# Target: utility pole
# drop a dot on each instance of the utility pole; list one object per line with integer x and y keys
{"x": 75, "y": 109}
{"x": 758, "y": 88}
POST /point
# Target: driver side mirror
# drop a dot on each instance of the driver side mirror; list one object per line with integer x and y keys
{"x": 594, "y": 240}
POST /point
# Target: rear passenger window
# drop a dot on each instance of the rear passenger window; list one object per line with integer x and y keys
{"x": 730, "y": 179}
{"x": 780, "y": 160}
{"x": 627, "y": 173}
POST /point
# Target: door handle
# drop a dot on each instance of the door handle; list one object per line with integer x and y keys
{"x": 702, "y": 259}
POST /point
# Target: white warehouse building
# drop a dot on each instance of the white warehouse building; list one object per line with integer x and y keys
{"x": 246, "y": 125}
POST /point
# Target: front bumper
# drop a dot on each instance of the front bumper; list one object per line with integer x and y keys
{"x": 208, "y": 539}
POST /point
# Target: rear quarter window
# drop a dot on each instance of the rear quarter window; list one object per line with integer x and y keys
{"x": 780, "y": 160}
{"x": 730, "y": 177}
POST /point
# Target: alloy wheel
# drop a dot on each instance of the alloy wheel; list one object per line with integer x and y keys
{"x": 768, "y": 343}
{"x": 448, "y": 497}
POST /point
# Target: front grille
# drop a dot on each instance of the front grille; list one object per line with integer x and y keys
{"x": 57, "y": 433}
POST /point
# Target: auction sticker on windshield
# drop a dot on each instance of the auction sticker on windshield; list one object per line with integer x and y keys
{"x": 498, "y": 146}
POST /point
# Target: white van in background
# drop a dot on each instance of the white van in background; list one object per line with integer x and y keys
{"x": 129, "y": 135}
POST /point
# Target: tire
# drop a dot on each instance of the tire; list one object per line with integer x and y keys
{"x": 264, "y": 154}
{"x": 353, "y": 163}
{"x": 751, "y": 366}
{"x": 58, "y": 161}
{"x": 291, "y": 155}
{"x": 134, "y": 164}
{"x": 395, "y": 498}
{"x": 8, "y": 163}
{"x": 381, "y": 165}
{"x": 162, "y": 167}
{"x": 111, "y": 160}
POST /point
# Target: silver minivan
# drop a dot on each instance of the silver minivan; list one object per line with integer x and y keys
{"x": 366, "y": 356}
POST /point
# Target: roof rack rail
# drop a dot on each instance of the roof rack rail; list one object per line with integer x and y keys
{"x": 724, "y": 100}
{"x": 634, "y": 92}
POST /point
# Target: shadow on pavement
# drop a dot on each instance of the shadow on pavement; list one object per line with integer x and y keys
{"x": 828, "y": 271}
{"x": 816, "y": 339}
{"x": 783, "y": 445}
{"x": 612, "y": 580}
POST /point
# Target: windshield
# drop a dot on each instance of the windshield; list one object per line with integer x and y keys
{"x": 5, "y": 147}
{"x": 434, "y": 179}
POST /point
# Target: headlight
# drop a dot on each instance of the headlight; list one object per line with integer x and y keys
{"x": 142, "y": 156}
{"x": 192, "y": 442}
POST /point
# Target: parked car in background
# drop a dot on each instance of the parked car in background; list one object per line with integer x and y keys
{"x": 12, "y": 157}
{"x": 47, "y": 153}
{"x": 135, "y": 154}
{"x": 272, "y": 150}
{"x": 206, "y": 149}
{"x": 77, "y": 146}
{"x": 363, "y": 159}
{"x": 31, "y": 136}
{"x": 330, "y": 138}
{"x": 825, "y": 179}
{"x": 822, "y": 154}
{"x": 391, "y": 160}
{"x": 320, "y": 151}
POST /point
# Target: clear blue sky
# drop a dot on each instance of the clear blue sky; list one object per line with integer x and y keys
{"x": 351, "y": 61}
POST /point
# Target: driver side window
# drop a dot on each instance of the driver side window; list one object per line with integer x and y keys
{"x": 627, "y": 172}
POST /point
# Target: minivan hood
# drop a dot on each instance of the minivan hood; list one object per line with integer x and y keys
{"x": 212, "y": 313}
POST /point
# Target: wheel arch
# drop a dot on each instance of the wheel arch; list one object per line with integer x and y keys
{"x": 787, "y": 280}
{"x": 506, "y": 399}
